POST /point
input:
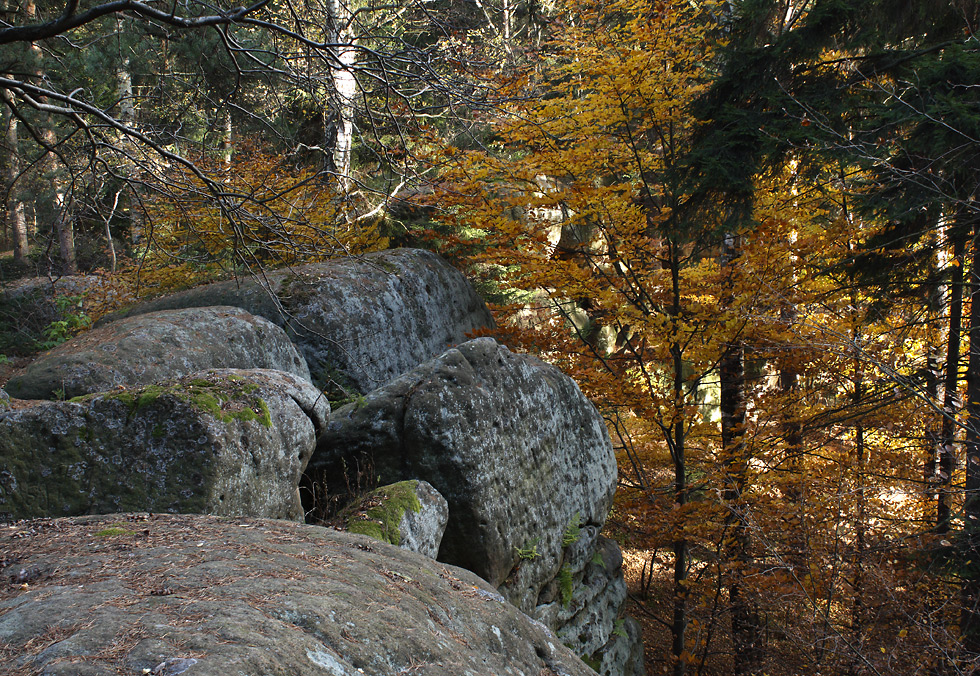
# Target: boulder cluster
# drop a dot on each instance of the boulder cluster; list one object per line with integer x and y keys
{"x": 348, "y": 393}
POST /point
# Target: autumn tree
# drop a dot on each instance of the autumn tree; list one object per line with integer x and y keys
{"x": 698, "y": 279}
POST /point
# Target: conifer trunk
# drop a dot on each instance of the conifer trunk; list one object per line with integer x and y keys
{"x": 61, "y": 218}
{"x": 970, "y": 617}
{"x": 14, "y": 206}
{"x": 947, "y": 450}
{"x": 744, "y": 615}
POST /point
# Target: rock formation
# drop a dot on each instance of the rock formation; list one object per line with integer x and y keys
{"x": 500, "y": 451}
{"x": 158, "y": 346}
{"x": 206, "y": 596}
{"x": 221, "y": 442}
{"x": 358, "y": 322}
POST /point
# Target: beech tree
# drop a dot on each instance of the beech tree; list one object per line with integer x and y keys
{"x": 706, "y": 297}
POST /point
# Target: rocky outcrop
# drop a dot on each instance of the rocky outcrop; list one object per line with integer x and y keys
{"x": 359, "y": 322}
{"x": 493, "y": 461}
{"x": 223, "y": 441}
{"x": 158, "y": 346}
{"x": 512, "y": 444}
{"x": 526, "y": 465}
{"x": 410, "y": 514}
{"x": 207, "y": 596}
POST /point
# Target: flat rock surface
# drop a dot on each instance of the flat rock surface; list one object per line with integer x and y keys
{"x": 212, "y": 596}
{"x": 145, "y": 349}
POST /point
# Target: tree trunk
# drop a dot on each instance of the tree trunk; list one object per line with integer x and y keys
{"x": 14, "y": 206}
{"x": 60, "y": 216}
{"x": 678, "y": 626}
{"x": 970, "y": 619}
{"x": 339, "y": 127}
{"x": 744, "y": 614}
{"x": 123, "y": 205}
{"x": 797, "y": 547}
{"x": 951, "y": 404}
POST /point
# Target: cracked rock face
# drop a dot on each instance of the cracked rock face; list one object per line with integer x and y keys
{"x": 359, "y": 322}
{"x": 223, "y": 441}
{"x": 512, "y": 444}
{"x": 207, "y": 596}
{"x": 158, "y": 346}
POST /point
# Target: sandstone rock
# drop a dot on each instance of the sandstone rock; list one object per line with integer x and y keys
{"x": 359, "y": 322}
{"x": 144, "y": 349}
{"x": 224, "y": 441}
{"x": 623, "y": 655}
{"x": 207, "y": 596}
{"x": 584, "y": 606}
{"x": 513, "y": 445}
{"x": 410, "y": 514}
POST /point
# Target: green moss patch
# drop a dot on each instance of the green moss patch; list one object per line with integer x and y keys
{"x": 380, "y": 512}
{"x": 113, "y": 531}
{"x": 223, "y": 398}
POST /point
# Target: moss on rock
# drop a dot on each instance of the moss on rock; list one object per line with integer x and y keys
{"x": 223, "y": 397}
{"x": 379, "y": 513}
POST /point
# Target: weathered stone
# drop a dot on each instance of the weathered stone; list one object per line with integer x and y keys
{"x": 224, "y": 441}
{"x": 513, "y": 445}
{"x": 587, "y": 619}
{"x": 145, "y": 349}
{"x": 410, "y": 514}
{"x": 207, "y": 596}
{"x": 623, "y": 654}
{"x": 4, "y": 400}
{"x": 359, "y": 322}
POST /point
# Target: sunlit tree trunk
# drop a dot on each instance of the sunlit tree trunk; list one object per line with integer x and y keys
{"x": 227, "y": 141}
{"x": 339, "y": 129}
{"x": 951, "y": 402}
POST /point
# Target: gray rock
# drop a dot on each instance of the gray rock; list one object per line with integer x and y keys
{"x": 224, "y": 441}
{"x": 359, "y": 322}
{"x": 4, "y": 400}
{"x": 623, "y": 654}
{"x": 587, "y": 622}
{"x": 512, "y": 444}
{"x": 158, "y": 346}
{"x": 410, "y": 514}
{"x": 206, "y": 596}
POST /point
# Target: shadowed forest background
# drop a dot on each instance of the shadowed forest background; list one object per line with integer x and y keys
{"x": 748, "y": 229}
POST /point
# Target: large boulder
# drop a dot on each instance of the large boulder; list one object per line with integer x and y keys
{"x": 206, "y": 596}
{"x": 514, "y": 446}
{"x": 148, "y": 348}
{"x": 224, "y": 441}
{"x": 359, "y": 322}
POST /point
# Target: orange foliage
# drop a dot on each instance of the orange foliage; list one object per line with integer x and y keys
{"x": 574, "y": 215}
